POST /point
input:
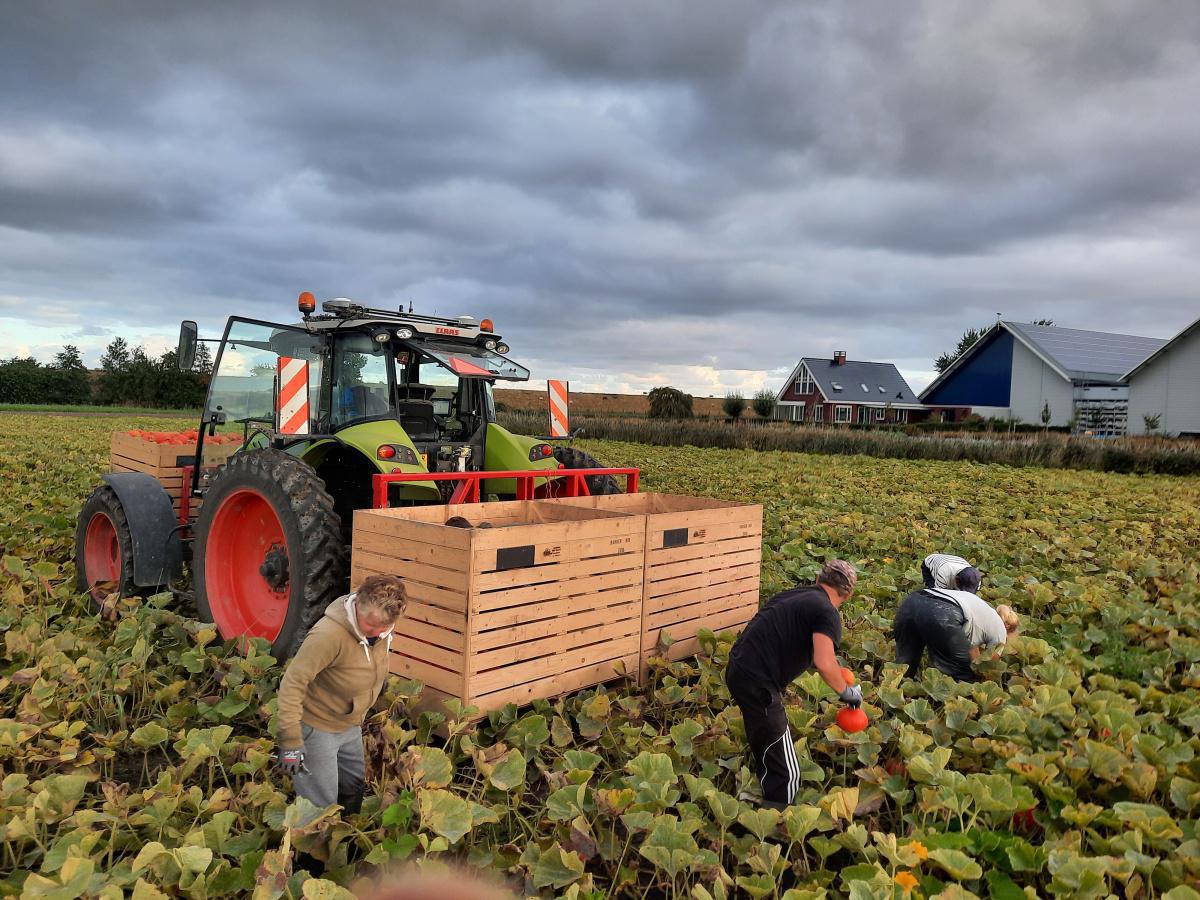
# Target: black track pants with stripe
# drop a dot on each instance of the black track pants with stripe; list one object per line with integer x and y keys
{"x": 770, "y": 738}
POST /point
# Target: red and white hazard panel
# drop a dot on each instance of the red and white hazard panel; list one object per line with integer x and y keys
{"x": 560, "y": 399}
{"x": 293, "y": 395}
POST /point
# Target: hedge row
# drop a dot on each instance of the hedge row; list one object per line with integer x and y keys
{"x": 1056, "y": 451}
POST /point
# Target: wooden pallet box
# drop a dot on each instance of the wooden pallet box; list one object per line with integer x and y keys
{"x": 703, "y": 565}
{"x": 545, "y": 601}
{"x": 164, "y": 462}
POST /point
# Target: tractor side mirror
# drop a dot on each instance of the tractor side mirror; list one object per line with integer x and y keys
{"x": 186, "y": 354}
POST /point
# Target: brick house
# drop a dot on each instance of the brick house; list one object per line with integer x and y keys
{"x": 839, "y": 391}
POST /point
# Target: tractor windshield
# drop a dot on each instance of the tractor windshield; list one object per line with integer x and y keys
{"x": 243, "y": 384}
{"x": 437, "y": 391}
{"x": 360, "y": 380}
{"x": 475, "y": 362}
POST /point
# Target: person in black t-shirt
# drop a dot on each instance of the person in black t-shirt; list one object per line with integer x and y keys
{"x": 794, "y": 631}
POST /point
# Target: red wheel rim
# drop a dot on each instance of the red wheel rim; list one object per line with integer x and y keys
{"x": 101, "y": 552}
{"x": 245, "y": 539}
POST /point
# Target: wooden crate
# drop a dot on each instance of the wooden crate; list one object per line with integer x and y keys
{"x": 545, "y": 601}
{"x": 164, "y": 461}
{"x": 703, "y": 562}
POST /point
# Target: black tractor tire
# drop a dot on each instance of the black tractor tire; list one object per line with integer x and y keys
{"x": 111, "y": 547}
{"x": 571, "y": 458}
{"x": 271, "y": 518}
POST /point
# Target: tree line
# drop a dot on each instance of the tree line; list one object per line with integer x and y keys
{"x": 128, "y": 376}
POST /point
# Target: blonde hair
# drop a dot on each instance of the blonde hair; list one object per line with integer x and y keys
{"x": 385, "y": 594}
{"x": 1012, "y": 622}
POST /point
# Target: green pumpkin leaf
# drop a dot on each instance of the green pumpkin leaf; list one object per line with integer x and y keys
{"x": 445, "y": 814}
{"x": 557, "y": 868}
{"x": 150, "y": 735}
{"x": 760, "y": 822}
{"x": 670, "y": 847}
{"x": 508, "y": 773}
{"x": 426, "y": 767}
{"x": 683, "y": 734}
{"x": 957, "y": 864}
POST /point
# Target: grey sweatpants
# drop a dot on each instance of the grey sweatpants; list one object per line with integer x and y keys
{"x": 336, "y": 768}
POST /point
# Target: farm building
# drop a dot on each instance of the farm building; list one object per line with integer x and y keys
{"x": 840, "y": 391}
{"x": 1167, "y": 384}
{"x": 1018, "y": 370}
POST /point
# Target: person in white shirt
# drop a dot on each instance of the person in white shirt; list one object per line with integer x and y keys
{"x": 943, "y": 571}
{"x": 950, "y": 620}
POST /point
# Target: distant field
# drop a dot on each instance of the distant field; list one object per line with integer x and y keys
{"x": 516, "y": 400}
{"x": 99, "y": 410}
{"x": 590, "y": 404}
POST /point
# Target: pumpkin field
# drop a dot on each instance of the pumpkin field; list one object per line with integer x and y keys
{"x": 135, "y": 746}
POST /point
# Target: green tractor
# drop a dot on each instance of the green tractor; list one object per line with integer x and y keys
{"x": 319, "y": 409}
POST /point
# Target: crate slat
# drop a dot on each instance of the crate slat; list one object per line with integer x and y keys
{"x": 539, "y": 620}
{"x": 555, "y": 685}
{"x": 581, "y": 570}
{"x": 435, "y": 677}
{"x": 566, "y": 659}
{"x": 569, "y": 634}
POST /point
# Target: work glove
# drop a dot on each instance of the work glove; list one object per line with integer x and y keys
{"x": 852, "y": 696}
{"x": 291, "y": 762}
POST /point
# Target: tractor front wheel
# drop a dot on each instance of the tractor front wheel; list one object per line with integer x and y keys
{"x": 570, "y": 458}
{"x": 269, "y": 554}
{"x": 103, "y": 547}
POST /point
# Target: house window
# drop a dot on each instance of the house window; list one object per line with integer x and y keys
{"x": 843, "y": 414}
{"x": 881, "y": 414}
{"x": 902, "y": 416}
{"x": 819, "y": 413}
{"x": 804, "y": 384}
{"x": 866, "y": 390}
{"x": 789, "y": 412}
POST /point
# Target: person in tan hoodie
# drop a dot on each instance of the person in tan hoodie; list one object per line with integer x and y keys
{"x": 328, "y": 688}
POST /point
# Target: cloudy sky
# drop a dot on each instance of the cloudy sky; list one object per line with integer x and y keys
{"x": 685, "y": 192}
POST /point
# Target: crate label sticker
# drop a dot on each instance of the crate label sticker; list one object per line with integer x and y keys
{"x": 514, "y": 557}
{"x": 181, "y": 461}
{"x": 675, "y": 537}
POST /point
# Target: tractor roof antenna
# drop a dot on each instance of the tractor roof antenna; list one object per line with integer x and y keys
{"x": 410, "y": 306}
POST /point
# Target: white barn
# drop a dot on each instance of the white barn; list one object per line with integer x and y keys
{"x": 1019, "y": 370}
{"x": 1167, "y": 384}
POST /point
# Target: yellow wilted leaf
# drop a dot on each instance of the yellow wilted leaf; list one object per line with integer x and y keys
{"x": 841, "y": 803}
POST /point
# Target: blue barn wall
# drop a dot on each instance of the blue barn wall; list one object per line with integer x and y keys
{"x": 983, "y": 380}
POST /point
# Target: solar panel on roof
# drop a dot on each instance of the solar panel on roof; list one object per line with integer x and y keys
{"x": 1081, "y": 352}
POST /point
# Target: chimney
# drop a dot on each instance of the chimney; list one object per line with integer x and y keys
{"x": 839, "y": 357}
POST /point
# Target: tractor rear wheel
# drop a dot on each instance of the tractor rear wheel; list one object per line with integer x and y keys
{"x": 269, "y": 554}
{"x": 570, "y": 458}
{"x": 103, "y": 547}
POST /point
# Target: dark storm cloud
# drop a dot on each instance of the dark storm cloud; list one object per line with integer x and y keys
{"x": 636, "y": 191}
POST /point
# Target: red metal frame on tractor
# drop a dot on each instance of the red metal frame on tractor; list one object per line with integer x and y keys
{"x": 560, "y": 483}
